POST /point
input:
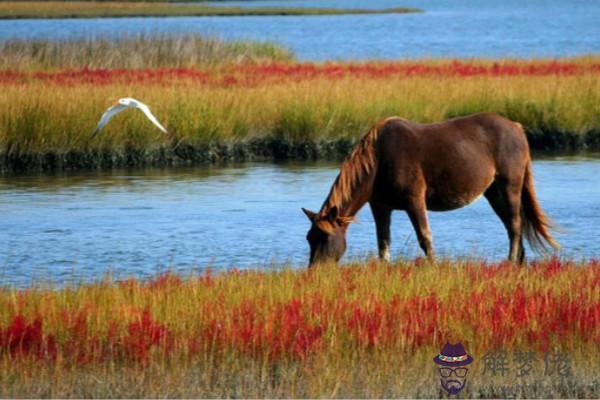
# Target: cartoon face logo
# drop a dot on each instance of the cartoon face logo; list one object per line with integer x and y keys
{"x": 452, "y": 362}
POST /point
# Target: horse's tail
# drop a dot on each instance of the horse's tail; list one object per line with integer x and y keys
{"x": 536, "y": 224}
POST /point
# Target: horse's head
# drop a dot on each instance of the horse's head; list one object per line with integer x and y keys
{"x": 327, "y": 235}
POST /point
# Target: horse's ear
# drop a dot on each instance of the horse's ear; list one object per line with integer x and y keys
{"x": 332, "y": 215}
{"x": 311, "y": 215}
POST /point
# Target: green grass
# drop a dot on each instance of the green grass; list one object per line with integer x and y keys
{"x": 65, "y": 9}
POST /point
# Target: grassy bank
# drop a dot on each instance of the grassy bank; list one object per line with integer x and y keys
{"x": 137, "y": 51}
{"x": 368, "y": 330}
{"x": 266, "y": 111}
{"x": 77, "y": 9}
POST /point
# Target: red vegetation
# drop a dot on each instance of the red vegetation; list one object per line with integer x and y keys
{"x": 534, "y": 311}
{"x": 144, "y": 335}
{"x": 26, "y": 339}
{"x": 252, "y": 75}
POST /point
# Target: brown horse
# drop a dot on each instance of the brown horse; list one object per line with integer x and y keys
{"x": 403, "y": 165}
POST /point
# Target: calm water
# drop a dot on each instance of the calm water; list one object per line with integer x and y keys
{"x": 448, "y": 28}
{"x": 140, "y": 222}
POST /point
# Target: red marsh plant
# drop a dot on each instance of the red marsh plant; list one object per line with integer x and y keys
{"x": 259, "y": 74}
{"x": 298, "y": 314}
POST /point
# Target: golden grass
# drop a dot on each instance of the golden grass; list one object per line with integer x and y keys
{"x": 239, "y": 110}
{"x": 93, "y": 9}
{"x": 37, "y": 116}
{"x": 363, "y": 330}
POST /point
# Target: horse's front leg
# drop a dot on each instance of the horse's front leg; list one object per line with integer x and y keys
{"x": 382, "y": 216}
{"x": 417, "y": 212}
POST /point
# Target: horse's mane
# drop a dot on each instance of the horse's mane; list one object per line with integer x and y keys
{"x": 355, "y": 167}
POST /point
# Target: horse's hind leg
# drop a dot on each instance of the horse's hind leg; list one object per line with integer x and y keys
{"x": 382, "y": 216}
{"x": 505, "y": 199}
{"x": 417, "y": 212}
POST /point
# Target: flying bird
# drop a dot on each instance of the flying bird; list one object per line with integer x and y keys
{"x": 124, "y": 103}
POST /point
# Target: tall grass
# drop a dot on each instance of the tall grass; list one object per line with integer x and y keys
{"x": 113, "y": 9}
{"x": 282, "y": 110}
{"x": 141, "y": 51}
{"x": 364, "y": 330}
{"x": 38, "y": 116}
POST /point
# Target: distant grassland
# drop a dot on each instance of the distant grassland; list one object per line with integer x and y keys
{"x": 362, "y": 330}
{"x": 93, "y": 9}
{"x": 135, "y": 51}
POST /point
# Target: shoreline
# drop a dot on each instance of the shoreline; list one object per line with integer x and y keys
{"x": 82, "y": 10}
{"x": 265, "y": 149}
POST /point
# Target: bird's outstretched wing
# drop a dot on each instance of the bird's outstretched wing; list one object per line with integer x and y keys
{"x": 150, "y": 116}
{"x": 129, "y": 103}
{"x": 108, "y": 114}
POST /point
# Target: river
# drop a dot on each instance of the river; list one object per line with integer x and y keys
{"x": 447, "y": 28}
{"x": 72, "y": 227}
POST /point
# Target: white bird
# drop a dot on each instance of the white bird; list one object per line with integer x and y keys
{"x": 124, "y": 103}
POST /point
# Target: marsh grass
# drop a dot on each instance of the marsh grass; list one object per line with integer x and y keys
{"x": 362, "y": 330}
{"x": 140, "y": 51}
{"x": 113, "y": 9}
{"x": 208, "y": 122}
{"x": 219, "y": 105}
